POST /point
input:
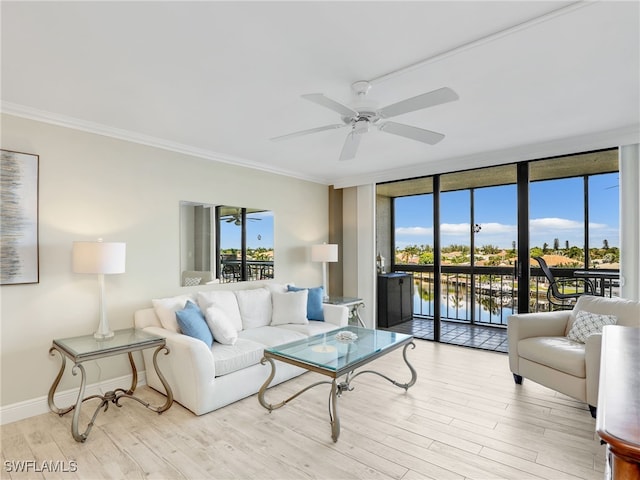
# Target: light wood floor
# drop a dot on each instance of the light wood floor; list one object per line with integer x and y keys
{"x": 464, "y": 419}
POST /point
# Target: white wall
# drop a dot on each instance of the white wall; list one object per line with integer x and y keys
{"x": 629, "y": 158}
{"x": 93, "y": 186}
{"x": 359, "y": 249}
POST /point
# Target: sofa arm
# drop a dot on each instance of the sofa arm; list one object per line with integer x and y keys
{"x": 593, "y": 346}
{"x": 188, "y": 365}
{"x": 336, "y": 314}
{"x": 527, "y": 325}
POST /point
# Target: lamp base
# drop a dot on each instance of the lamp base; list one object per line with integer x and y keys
{"x": 103, "y": 336}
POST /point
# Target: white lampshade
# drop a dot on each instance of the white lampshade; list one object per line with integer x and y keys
{"x": 327, "y": 252}
{"x": 98, "y": 257}
{"x": 101, "y": 258}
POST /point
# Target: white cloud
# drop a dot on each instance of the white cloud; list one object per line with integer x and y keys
{"x": 554, "y": 223}
{"x": 594, "y": 226}
{"x": 496, "y": 228}
{"x": 542, "y": 230}
{"x": 414, "y": 231}
{"x": 455, "y": 228}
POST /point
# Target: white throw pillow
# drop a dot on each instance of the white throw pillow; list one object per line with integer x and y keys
{"x": 166, "y": 309}
{"x": 588, "y": 323}
{"x": 277, "y": 287}
{"x": 225, "y": 300}
{"x": 255, "y": 307}
{"x": 290, "y": 307}
{"x": 221, "y": 326}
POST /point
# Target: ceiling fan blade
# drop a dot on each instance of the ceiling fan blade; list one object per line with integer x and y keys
{"x": 326, "y": 102}
{"x": 415, "y": 133}
{"x": 307, "y": 132}
{"x": 430, "y": 99}
{"x": 350, "y": 146}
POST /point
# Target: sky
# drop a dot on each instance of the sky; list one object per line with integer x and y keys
{"x": 259, "y": 232}
{"x": 556, "y": 210}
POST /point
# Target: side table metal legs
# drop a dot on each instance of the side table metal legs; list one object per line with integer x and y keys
{"x": 109, "y": 397}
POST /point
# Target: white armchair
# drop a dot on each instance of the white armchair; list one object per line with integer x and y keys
{"x": 540, "y": 350}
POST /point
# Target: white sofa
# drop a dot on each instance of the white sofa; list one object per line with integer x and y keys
{"x": 204, "y": 379}
{"x": 541, "y": 347}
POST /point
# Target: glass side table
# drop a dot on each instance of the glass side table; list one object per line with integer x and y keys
{"x": 85, "y": 348}
{"x": 354, "y": 304}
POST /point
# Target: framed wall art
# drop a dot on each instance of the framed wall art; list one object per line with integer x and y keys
{"x": 19, "y": 218}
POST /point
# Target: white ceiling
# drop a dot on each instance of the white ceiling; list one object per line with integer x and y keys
{"x": 219, "y": 79}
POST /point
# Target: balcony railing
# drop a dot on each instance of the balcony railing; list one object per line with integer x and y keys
{"x": 484, "y": 295}
{"x": 231, "y": 270}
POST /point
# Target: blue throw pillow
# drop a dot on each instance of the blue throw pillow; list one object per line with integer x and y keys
{"x": 193, "y": 323}
{"x": 314, "y": 302}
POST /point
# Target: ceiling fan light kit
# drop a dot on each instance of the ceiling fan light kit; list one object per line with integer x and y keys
{"x": 364, "y": 115}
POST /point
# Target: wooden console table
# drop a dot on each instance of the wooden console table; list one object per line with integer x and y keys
{"x": 618, "y": 417}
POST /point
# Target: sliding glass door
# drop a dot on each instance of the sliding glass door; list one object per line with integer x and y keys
{"x": 468, "y": 237}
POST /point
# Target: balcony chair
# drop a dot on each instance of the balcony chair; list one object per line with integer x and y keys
{"x": 543, "y": 349}
{"x": 557, "y": 299}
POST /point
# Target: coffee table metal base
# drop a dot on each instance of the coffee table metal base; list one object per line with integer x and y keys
{"x": 337, "y": 388}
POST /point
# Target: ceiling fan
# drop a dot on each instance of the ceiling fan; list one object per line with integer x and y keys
{"x": 364, "y": 115}
{"x": 236, "y": 217}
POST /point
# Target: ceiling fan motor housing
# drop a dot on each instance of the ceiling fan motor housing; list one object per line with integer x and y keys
{"x": 361, "y": 125}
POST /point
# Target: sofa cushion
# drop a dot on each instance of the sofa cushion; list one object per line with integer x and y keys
{"x": 559, "y": 353}
{"x": 290, "y": 307}
{"x": 587, "y": 323}
{"x": 270, "y": 336}
{"x": 192, "y": 323}
{"x": 220, "y": 325}
{"x": 314, "y": 302}
{"x": 255, "y": 307}
{"x": 312, "y": 328}
{"x": 223, "y": 299}
{"x": 166, "y": 309}
{"x": 231, "y": 358}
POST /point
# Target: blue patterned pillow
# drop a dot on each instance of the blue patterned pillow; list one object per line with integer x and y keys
{"x": 314, "y": 302}
{"x": 193, "y": 323}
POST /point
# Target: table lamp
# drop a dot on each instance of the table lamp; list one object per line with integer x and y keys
{"x": 101, "y": 258}
{"x": 327, "y": 252}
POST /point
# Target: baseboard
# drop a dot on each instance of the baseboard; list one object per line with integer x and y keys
{"x": 38, "y": 406}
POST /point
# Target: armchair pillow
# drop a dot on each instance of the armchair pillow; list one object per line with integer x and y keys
{"x": 192, "y": 281}
{"x": 290, "y": 307}
{"x": 588, "y": 323}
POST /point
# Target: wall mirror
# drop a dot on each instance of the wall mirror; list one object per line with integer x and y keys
{"x": 223, "y": 244}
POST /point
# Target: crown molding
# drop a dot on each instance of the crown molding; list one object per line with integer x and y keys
{"x": 31, "y": 113}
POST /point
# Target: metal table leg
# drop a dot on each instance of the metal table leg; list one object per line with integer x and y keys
{"x": 109, "y": 397}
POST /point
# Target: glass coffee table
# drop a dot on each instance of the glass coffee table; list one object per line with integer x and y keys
{"x": 336, "y": 354}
